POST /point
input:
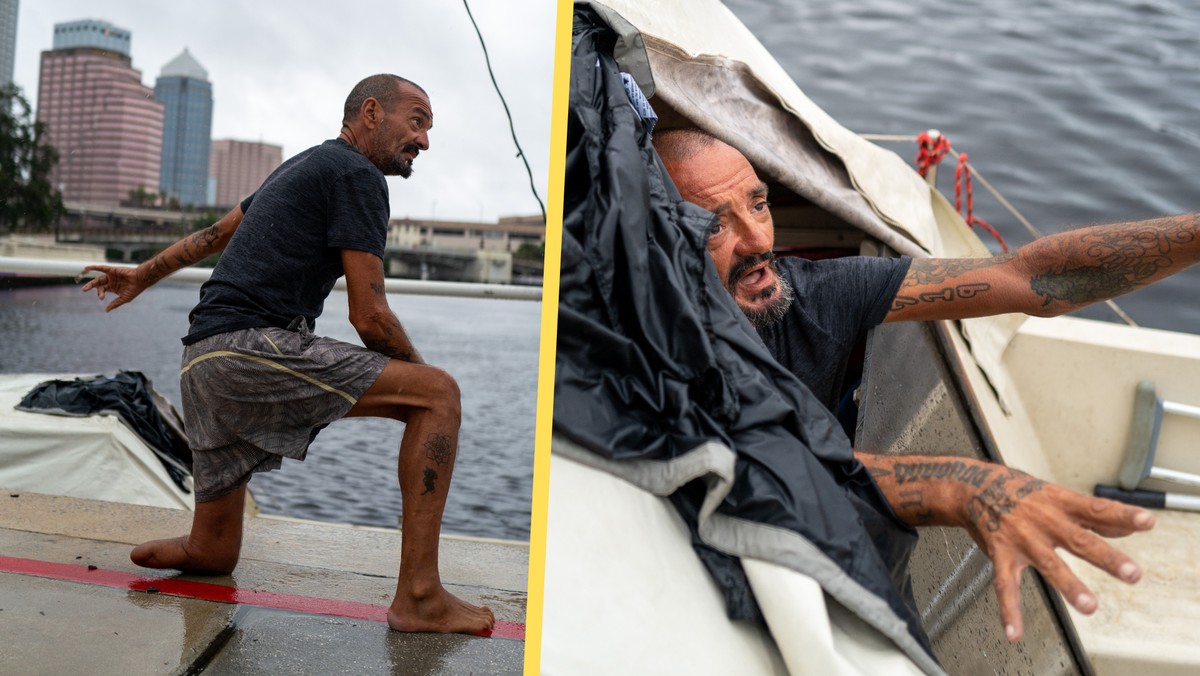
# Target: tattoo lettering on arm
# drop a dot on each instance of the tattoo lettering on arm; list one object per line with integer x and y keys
{"x": 1122, "y": 259}
{"x": 438, "y": 448}
{"x": 936, "y": 271}
{"x": 429, "y": 478}
{"x": 954, "y": 470}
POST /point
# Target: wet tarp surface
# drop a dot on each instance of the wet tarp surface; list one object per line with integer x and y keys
{"x": 656, "y": 361}
{"x": 127, "y": 394}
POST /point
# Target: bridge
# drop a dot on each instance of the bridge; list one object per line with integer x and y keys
{"x": 130, "y": 234}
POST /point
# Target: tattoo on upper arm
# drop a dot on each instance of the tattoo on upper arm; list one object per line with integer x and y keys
{"x": 438, "y": 448}
{"x": 1124, "y": 258}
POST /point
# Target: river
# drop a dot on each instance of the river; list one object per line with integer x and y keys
{"x": 349, "y": 476}
{"x": 1079, "y": 112}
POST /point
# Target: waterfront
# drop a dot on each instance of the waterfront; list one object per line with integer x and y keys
{"x": 1079, "y": 112}
{"x": 490, "y": 346}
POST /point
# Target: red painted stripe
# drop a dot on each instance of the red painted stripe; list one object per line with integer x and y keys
{"x": 215, "y": 592}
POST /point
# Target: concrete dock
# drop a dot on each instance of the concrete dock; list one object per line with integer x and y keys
{"x": 307, "y": 598}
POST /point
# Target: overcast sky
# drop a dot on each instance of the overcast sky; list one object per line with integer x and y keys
{"x": 281, "y": 70}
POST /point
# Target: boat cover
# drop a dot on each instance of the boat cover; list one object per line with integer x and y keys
{"x": 127, "y": 395}
{"x": 663, "y": 382}
{"x": 97, "y": 457}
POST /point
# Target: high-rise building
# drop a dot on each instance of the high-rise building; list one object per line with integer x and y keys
{"x": 105, "y": 124}
{"x": 186, "y": 93}
{"x": 8, "y": 40}
{"x": 92, "y": 33}
{"x": 239, "y": 167}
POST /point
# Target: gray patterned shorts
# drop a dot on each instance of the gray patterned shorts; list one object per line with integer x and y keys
{"x": 255, "y": 396}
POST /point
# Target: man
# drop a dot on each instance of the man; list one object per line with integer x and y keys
{"x": 258, "y": 386}
{"x": 810, "y": 315}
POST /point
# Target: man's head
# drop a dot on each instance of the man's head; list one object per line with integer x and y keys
{"x": 717, "y": 177}
{"x": 389, "y": 119}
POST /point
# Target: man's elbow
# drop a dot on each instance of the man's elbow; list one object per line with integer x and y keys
{"x": 373, "y": 326}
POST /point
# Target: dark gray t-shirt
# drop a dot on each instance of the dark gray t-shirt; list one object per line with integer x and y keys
{"x": 837, "y": 301}
{"x": 286, "y": 254}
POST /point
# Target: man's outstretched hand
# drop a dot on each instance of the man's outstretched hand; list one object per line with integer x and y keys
{"x": 124, "y": 282}
{"x": 1017, "y": 520}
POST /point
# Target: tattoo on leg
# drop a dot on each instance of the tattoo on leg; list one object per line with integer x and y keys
{"x": 439, "y": 448}
{"x": 430, "y": 477}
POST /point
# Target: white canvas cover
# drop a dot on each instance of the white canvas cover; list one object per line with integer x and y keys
{"x": 96, "y": 457}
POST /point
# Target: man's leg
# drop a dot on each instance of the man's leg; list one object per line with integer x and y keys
{"x": 211, "y": 548}
{"x": 427, "y": 400}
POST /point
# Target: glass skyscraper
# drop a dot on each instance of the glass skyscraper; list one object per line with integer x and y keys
{"x": 186, "y": 94}
{"x": 8, "y": 40}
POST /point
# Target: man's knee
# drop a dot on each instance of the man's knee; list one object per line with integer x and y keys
{"x": 445, "y": 395}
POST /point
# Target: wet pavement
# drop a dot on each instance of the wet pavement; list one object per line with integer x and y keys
{"x": 72, "y": 602}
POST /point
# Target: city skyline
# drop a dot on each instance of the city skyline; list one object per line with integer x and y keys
{"x": 280, "y": 73}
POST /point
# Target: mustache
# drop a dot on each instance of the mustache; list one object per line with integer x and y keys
{"x": 743, "y": 264}
{"x": 411, "y": 148}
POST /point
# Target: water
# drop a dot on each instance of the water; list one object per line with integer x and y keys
{"x": 349, "y": 476}
{"x": 1078, "y": 111}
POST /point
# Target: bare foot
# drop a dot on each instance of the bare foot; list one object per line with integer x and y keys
{"x": 439, "y": 612}
{"x": 177, "y": 554}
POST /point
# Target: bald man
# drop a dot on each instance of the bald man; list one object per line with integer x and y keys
{"x": 258, "y": 384}
{"x": 810, "y": 315}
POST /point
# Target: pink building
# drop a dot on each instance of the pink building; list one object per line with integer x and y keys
{"x": 239, "y": 167}
{"x": 105, "y": 123}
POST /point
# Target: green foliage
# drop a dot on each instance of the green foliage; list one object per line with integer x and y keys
{"x": 529, "y": 251}
{"x": 26, "y": 197}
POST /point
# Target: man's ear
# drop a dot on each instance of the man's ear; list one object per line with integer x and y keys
{"x": 371, "y": 112}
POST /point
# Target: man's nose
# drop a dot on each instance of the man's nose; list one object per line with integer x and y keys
{"x": 423, "y": 140}
{"x": 754, "y": 237}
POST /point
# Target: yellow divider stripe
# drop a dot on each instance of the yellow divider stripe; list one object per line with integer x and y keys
{"x": 272, "y": 364}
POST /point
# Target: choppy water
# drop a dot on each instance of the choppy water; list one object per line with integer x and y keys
{"x": 490, "y": 347}
{"x": 1079, "y": 111}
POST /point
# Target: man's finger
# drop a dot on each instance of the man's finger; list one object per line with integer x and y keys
{"x": 1116, "y": 519}
{"x": 1059, "y": 575}
{"x": 1008, "y": 595}
{"x": 1102, "y": 555}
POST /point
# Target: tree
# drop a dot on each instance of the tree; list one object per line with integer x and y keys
{"x": 26, "y": 159}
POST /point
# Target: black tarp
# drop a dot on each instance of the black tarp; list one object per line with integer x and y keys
{"x": 127, "y": 394}
{"x": 654, "y": 358}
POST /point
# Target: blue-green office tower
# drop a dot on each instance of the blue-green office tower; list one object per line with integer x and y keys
{"x": 186, "y": 93}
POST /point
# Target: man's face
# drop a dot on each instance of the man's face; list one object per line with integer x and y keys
{"x": 403, "y": 133}
{"x": 720, "y": 179}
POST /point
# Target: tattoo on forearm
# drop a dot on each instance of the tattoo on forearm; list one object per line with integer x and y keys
{"x": 378, "y": 288}
{"x": 438, "y": 448}
{"x": 955, "y": 470}
{"x": 1124, "y": 258}
{"x": 430, "y": 476}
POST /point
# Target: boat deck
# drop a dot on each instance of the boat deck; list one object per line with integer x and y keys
{"x": 307, "y": 598}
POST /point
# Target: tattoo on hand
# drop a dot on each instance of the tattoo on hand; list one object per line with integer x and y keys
{"x": 430, "y": 477}
{"x": 955, "y": 470}
{"x": 438, "y": 448}
{"x": 991, "y": 505}
{"x": 1030, "y": 488}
